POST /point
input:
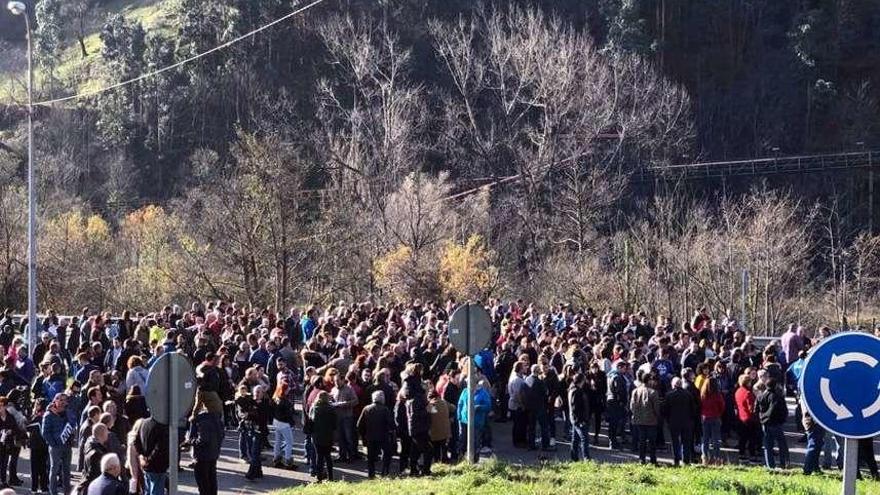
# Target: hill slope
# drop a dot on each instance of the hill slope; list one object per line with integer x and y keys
{"x": 496, "y": 478}
{"x": 78, "y": 71}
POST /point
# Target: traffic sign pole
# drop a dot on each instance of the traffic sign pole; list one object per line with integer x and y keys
{"x": 173, "y": 423}
{"x": 469, "y": 330}
{"x": 850, "y": 466}
{"x": 471, "y": 428}
{"x": 840, "y": 392}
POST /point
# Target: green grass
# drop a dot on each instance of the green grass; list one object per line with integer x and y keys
{"x": 497, "y": 478}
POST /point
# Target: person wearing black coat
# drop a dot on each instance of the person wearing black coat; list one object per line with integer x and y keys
{"x": 536, "y": 408}
{"x": 39, "y": 449}
{"x": 207, "y": 438}
{"x": 418, "y": 422}
{"x": 597, "y": 390}
{"x": 376, "y": 427}
{"x": 772, "y": 412}
{"x": 400, "y": 422}
{"x": 96, "y": 448}
{"x": 9, "y": 435}
{"x": 579, "y": 416}
{"x": 504, "y": 362}
{"x": 323, "y": 417}
{"x": 680, "y": 413}
{"x": 246, "y": 409}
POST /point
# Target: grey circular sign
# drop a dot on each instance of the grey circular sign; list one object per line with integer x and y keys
{"x": 158, "y": 393}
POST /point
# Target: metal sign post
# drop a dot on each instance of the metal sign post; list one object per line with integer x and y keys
{"x": 840, "y": 385}
{"x": 470, "y": 330}
{"x": 471, "y": 428}
{"x": 850, "y": 466}
{"x": 170, "y": 396}
{"x": 173, "y": 424}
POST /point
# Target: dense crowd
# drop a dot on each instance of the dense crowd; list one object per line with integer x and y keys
{"x": 384, "y": 380}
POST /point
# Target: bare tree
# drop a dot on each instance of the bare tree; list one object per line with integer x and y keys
{"x": 534, "y": 98}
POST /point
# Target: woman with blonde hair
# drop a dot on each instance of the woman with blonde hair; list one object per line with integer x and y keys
{"x": 283, "y": 422}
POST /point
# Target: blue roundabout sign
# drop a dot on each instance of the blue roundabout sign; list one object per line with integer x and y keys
{"x": 841, "y": 384}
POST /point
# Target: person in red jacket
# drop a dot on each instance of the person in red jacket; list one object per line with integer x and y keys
{"x": 749, "y": 428}
{"x": 711, "y": 409}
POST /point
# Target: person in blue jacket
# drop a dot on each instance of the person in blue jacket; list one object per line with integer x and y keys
{"x": 482, "y": 406}
{"x": 308, "y": 325}
{"x": 485, "y": 360}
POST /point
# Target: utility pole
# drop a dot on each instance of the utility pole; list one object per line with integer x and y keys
{"x": 20, "y": 8}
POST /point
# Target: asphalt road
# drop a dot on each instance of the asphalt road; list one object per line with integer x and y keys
{"x": 231, "y": 470}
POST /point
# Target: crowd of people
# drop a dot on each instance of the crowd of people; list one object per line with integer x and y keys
{"x": 384, "y": 383}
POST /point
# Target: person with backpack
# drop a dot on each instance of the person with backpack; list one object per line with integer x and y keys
{"x": 772, "y": 412}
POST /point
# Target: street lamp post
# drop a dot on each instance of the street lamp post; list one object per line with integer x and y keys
{"x": 20, "y": 8}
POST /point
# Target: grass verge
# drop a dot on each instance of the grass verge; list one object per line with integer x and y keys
{"x": 498, "y": 478}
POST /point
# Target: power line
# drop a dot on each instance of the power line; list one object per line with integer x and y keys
{"x": 182, "y": 62}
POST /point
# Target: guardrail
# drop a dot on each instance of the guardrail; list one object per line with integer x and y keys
{"x": 759, "y": 166}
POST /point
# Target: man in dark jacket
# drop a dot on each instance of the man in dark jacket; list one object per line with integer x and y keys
{"x": 579, "y": 414}
{"x": 536, "y": 408}
{"x": 207, "y": 438}
{"x": 108, "y": 482}
{"x": 617, "y": 403}
{"x": 772, "y": 411}
{"x": 680, "y": 413}
{"x": 418, "y": 423}
{"x": 95, "y": 450}
{"x": 152, "y": 445}
{"x": 376, "y": 426}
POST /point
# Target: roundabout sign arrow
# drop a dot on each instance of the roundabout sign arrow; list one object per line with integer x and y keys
{"x": 841, "y": 384}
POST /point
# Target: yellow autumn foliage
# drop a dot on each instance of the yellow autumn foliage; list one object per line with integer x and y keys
{"x": 466, "y": 270}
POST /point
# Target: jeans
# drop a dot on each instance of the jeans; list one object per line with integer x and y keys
{"x": 616, "y": 417}
{"x": 535, "y": 420}
{"x": 452, "y": 444}
{"x": 647, "y": 437}
{"x": 711, "y": 439}
{"x": 774, "y": 434}
{"x": 242, "y": 445}
{"x": 749, "y": 438}
{"x": 323, "y": 457}
{"x": 520, "y": 427}
{"x": 373, "y": 451}
{"x": 682, "y": 443}
{"x": 830, "y": 448}
{"x": 311, "y": 456}
{"x": 283, "y": 434}
{"x": 815, "y": 440}
{"x": 59, "y": 467}
{"x": 421, "y": 448}
{"x": 478, "y": 440}
{"x": 347, "y": 440}
{"x": 154, "y": 483}
{"x": 580, "y": 441}
{"x": 254, "y": 443}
